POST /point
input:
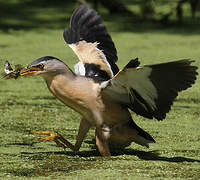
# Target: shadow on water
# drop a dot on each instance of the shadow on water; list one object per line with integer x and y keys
{"x": 151, "y": 155}
{"x": 46, "y": 163}
{"x": 148, "y": 156}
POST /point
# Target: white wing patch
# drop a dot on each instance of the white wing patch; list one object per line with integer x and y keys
{"x": 89, "y": 53}
{"x": 79, "y": 68}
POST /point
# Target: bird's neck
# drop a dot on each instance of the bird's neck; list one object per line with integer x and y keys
{"x": 67, "y": 88}
{"x": 61, "y": 78}
{"x": 66, "y": 76}
{"x": 60, "y": 85}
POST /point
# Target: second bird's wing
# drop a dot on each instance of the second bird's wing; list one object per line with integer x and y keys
{"x": 150, "y": 90}
{"x": 89, "y": 39}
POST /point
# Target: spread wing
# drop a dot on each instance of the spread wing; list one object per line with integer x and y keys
{"x": 89, "y": 39}
{"x": 150, "y": 90}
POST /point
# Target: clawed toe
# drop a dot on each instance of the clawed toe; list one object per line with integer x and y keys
{"x": 59, "y": 140}
{"x": 51, "y": 136}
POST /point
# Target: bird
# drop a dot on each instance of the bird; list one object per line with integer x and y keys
{"x": 105, "y": 95}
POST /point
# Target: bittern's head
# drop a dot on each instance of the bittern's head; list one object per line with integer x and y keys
{"x": 44, "y": 65}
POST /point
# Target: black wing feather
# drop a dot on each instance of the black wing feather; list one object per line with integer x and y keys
{"x": 169, "y": 79}
{"x": 87, "y": 25}
{"x": 150, "y": 90}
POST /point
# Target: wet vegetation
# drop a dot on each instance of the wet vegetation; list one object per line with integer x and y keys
{"x": 26, "y": 104}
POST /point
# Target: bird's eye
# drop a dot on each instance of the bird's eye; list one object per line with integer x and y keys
{"x": 41, "y": 66}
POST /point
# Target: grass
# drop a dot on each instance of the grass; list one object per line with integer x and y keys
{"x": 26, "y": 104}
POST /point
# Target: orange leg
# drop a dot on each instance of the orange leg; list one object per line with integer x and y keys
{"x": 61, "y": 141}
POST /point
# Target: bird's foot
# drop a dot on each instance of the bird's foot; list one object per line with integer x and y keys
{"x": 51, "y": 136}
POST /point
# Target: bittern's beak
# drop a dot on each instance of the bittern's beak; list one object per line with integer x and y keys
{"x": 33, "y": 70}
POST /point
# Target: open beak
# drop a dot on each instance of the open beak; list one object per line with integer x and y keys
{"x": 33, "y": 70}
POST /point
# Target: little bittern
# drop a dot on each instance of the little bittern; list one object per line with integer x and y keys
{"x": 102, "y": 93}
